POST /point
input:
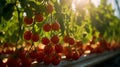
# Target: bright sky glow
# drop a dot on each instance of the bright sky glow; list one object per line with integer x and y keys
{"x": 83, "y": 3}
{"x": 96, "y": 2}
{"x": 80, "y": 3}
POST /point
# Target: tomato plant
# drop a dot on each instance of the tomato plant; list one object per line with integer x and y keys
{"x": 46, "y": 30}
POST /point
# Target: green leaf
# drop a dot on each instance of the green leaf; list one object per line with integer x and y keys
{"x": 33, "y": 5}
{"x": 23, "y": 3}
{"x": 8, "y": 11}
{"x": 29, "y": 12}
{"x": 2, "y": 3}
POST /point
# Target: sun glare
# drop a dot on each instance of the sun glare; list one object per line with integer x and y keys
{"x": 79, "y": 3}
{"x": 83, "y": 3}
{"x": 96, "y": 2}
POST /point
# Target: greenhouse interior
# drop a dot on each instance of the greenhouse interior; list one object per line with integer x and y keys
{"x": 59, "y": 33}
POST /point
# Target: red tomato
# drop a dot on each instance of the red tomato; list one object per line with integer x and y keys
{"x": 28, "y": 21}
{"x": 27, "y": 35}
{"x": 13, "y": 62}
{"x": 66, "y": 38}
{"x": 35, "y": 37}
{"x": 21, "y": 54}
{"x": 88, "y": 47}
{"x": 47, "y": 27}
{"x": 71, "y": 41}
{"x": 45, "y": 41}
{"x": 6, "y": 45}
{"x": 76, "y": 55}
{"x": 55, "y": 39}
{"x": 79, "y": 43}
{"x": 47, "y": 59}
{"x": 8, "y": 51}
{"x": 55, "y": 26}
{"x": 33, "y": 54}
{"x": 49, "y": 8}
{"x": 58, "y": 48}
{"x": 68, "y": 52}
{"x": 56, "y": 59}
{"x": 48, "y": 50}
{"x": 39, "y": 57}
{"x": 69, "y": 55}
{"x": 26, "y": 62}
{"x": 39, "y": 17}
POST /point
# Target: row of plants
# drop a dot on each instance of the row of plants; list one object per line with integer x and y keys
{"x": 49, "y": 31}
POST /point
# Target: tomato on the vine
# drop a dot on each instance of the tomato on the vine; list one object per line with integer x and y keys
{"x": 79, "y": 43}
{"x": 68, "y": 52}
{"x": 58, "y": 48}
{"x": 27, "y": 35}
{"x": 69, "y": 55}
{"x": 35, "y": 37}
{"x": 66, "y": 38}
{"x": 26, "y": 62}
{"x": 76, "y": 55}
{"x": 45, "y": 41}
{"x": 71, "y": 41}
{"x": 21, "y": 54}
{"x": 55, "y": 26}
{"x": 56, "y": 59}
{"x": 48, "y": 50}
{"x": 28, "y": 21}
{"x": 39, "y": 17}
{"x": 13, "y": 62}
{"x": 55, "y": 39}
{"x": 46, "y": 27}
{"x": 39, "y": 56}
{"x": 47, "y": 59}
{"x": 33, "y": 54}
{"x": 49, "y": 8}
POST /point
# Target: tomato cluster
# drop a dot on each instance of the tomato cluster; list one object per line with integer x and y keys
{"x": 52, "y": 52}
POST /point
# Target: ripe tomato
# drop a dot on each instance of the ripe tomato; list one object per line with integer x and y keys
{"x": 6, "y": 45}
{"x": 76, "y": 55}
{"x": 33, "y": 54}
{"x": 26, "y": 62}
{"x": 69, "y": 55}
{"x": 71, "y": 41}
{"x": 92, "y": 42}
{"x": 21, "y": 54}
{"x": 39, "y": 18}
{"x": 99, "y": 50}
{"x": 48, "y": 50}
{"x": 68, "y": 52}
{"x": 28, "y": 21}
{"x": 39, "y": 57}
{"x": 47, "y": 27}
{"x": 56, "y": 59}
{"x": 47, "y": 59}
{"x": 58, "y": 48}
{"x": 66, "y": 38}
{"x": 45, "y": 41}
{"x": 55, "y": 26}
{"x": 35, "y": 37}
{"x": 13, "y": 62}
{"x": 55, "y": 39}
{"x": 49, "y": 8}
{"x": 88, "y": 47}
{"x": 8, "y": 51}
{"x": 79, "y": 43}
{"x": 27, "y": 35}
